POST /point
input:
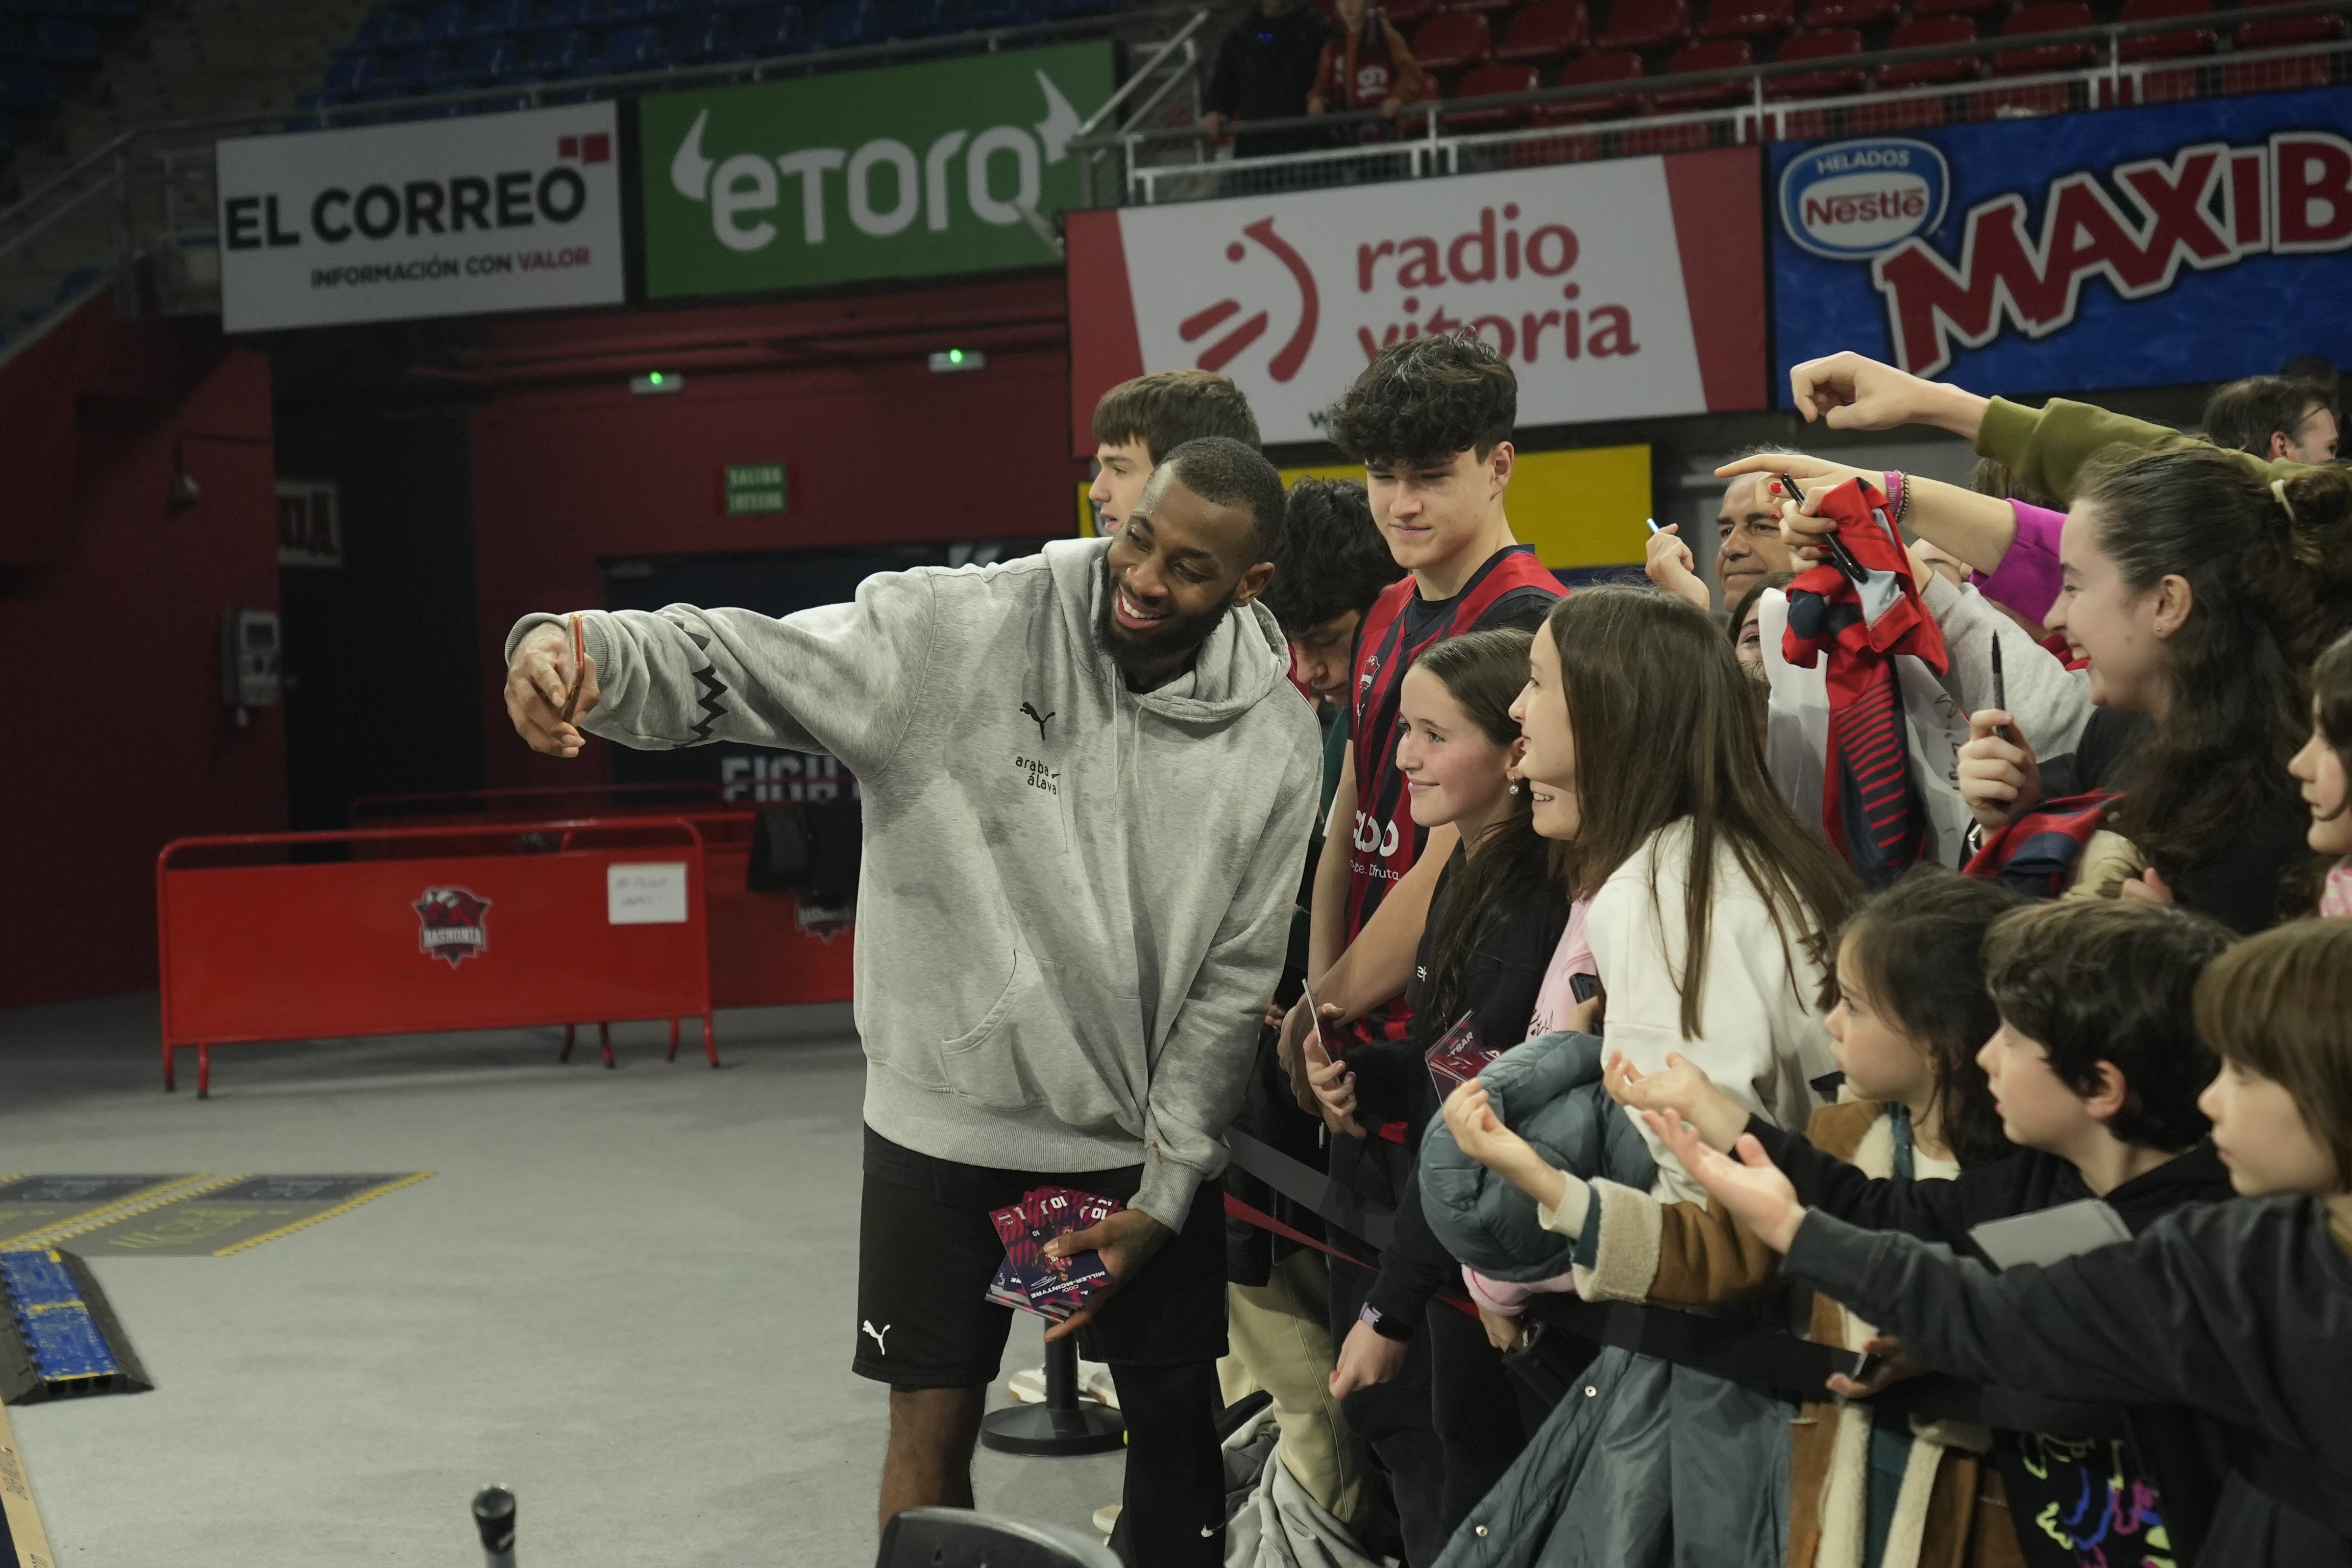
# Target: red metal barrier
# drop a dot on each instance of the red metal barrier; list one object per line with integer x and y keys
{"x": 764, "y": 952}
{"x": 270, "y": 937}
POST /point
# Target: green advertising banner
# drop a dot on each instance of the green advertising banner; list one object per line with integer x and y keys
{"x": 906, "y": 172}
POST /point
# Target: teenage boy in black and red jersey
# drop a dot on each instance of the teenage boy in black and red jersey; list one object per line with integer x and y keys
{"x": 1430, "y": 420}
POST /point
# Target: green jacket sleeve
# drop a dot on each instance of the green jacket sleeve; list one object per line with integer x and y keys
{"x": 2046, "y": 447}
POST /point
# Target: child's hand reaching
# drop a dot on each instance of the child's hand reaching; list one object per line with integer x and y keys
{"x": 1482, "y": 1136}
{"x": 1334, "y": 1086}
{"x": 1751, "y": 1188}
{"x": 1681, "y": 1089}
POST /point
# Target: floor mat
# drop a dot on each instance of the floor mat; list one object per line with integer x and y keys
{"x": 32, "y": 1208}
{"x": 228, "y": 1215}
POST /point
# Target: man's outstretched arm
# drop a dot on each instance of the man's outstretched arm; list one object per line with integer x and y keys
{"x": 842, "y": 679}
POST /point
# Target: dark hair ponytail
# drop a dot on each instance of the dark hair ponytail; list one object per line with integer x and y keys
{"x": 2269, "y": 567}
{"x": 1510, "y": 866}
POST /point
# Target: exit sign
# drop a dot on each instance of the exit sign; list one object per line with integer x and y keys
{"x": 748, "y": 488}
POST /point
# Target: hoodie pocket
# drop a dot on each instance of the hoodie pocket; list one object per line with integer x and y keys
{"x": 983, "y": 1064}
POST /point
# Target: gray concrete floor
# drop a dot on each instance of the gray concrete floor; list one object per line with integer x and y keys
{"x": 627, "y": 1295}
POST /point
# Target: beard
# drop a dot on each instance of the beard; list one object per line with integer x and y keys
{"x": 1141, "y": 655}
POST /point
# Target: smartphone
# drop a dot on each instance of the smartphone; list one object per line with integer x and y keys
{"x": 1584, "y": 987}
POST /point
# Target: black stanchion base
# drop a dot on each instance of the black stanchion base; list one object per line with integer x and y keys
{"x": 1042, "y": 1430}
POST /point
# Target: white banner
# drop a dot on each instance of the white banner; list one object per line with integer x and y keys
{"x": 1616, "y": 289}
{"x": 440, "y": 218}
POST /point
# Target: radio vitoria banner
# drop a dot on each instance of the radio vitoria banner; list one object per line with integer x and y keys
{"x": 2129, "y": 248}
{"x": 948, "y": 166}
{"x": 1616, "y": 289}
{"x": 436, "y": 217}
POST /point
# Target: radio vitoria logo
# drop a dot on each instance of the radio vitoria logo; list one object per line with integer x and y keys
{"x": 994, "y": 173}
{"x": 1295, "y": 348}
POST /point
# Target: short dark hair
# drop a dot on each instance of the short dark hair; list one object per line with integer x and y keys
{"x": 1169, "y": 407}
{"x": 1223, "y": 471}
{"x": 2243, "y": 415}
{"x": 2276, "y": 1004}
{"x": 1423, "y": 399}
{"x": 1333, "y": 557}
{"x": 1918, "y": 948}
{"x": 2101, "y": 980}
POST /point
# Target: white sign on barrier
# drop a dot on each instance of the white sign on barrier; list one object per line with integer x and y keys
{"x": 646, "y": 894}
{"x": 441, "y": 217}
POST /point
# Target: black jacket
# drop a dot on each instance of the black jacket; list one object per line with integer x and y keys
{"x": 2243, "y": 882}
{"x": 1499, "y": 982}
{"x": 2023, "y": 1183}
{"x": 2239, "y": 1312}
{"x": 1265, "y": 66}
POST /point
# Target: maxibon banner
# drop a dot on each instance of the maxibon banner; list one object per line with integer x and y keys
{"x": 1617, "y": 291}
{"x": 948, "y": 167}
{"x": 2130, "y": 247}
{"x": 442, "y": 217}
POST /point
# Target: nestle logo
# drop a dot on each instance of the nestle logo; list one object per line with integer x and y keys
{"x": 1854, "y": 200}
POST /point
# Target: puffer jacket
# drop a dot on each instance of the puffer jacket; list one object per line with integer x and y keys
{"x": 1548, "y": 1091}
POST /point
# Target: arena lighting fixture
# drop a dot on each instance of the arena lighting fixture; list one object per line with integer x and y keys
{"x": 657, "y": 380}
{"x": 947, "y": 360}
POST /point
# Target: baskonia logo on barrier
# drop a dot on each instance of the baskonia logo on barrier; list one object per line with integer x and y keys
{"x": 1616, "y": 289}
{"x": 2129, "y": 248}
{"x": 907, "y": 172}
{"x": 440, "y": 218}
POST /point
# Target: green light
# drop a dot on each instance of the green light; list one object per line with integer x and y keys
{"x": 656, "y": 378}
{"x": 955, "y": 356}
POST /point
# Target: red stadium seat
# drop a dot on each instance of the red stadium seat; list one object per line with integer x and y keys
{"x": 1453, "y": 39}
{"x": 1824, "y": 44}
{"x": 1721, "y": 55}
{"x": 1928, "y": 73}
{"x": 2167, "y": 45}
{"x": 1591, "y": 71}
{"x": 1404, "y": 13}
{"x": 2053, "y": 17}
{"x": 1546, "y": 30}
{"x": 2278, "y": 34}
{"x": 1749, "y": 18}
{"x": 1920, "y": 8}
{"x": 1848, "y": 13}
{"x": 1489, "y": 81}
{"x": 1480, "y": 4}
{"x": 1646, "y": 24}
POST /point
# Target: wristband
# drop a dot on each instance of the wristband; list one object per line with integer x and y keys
{"x": 1898, "y": 493}
{"x": 1371, "y": 1318}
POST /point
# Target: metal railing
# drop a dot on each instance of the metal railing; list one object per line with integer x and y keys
{"x": 155, "y": 182}
{"x": 1426, "y": 140}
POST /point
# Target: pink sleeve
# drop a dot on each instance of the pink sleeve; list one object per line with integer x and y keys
{"x": 2027, "y": 578}
{"x": 1507, "y": 1296}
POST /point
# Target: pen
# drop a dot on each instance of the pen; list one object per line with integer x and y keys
{"x": 1999, "y": 688}
{"x": 1837, "y": 552}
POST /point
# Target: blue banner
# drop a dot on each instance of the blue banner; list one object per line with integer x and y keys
{"x": 2126, "y": 247}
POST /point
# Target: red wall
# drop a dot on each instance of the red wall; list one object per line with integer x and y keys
{"x": 109, "y": 607}
{"x": 570, "y": 468}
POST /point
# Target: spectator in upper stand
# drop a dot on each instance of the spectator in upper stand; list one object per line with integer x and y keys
{"x": 1365, "y": 65}
{"x": 1265, "y": 66}
{"x": 2274, "y": 418}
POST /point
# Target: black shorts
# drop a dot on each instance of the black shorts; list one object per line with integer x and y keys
{"x": 927, "y": 1250}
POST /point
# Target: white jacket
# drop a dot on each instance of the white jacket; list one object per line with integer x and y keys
{"x": 1760, "y": 1038}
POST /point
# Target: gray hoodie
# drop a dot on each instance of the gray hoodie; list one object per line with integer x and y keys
{"x": 1074, "y": 898}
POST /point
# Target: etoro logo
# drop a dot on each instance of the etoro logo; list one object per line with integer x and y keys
{"x": 922, "y": 186}
{"x": 450, "y": 923}
{"x": 1295, "y": 349}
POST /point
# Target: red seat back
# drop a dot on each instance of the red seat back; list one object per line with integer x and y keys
{"x": 1749, "y": 18}
{"x": 1848, "y": 13}
{"x": 1920, "y": 35}
{"x": 1646, "y": 24}
{"x": 1453, "y": 39}
{"x": 1547, "y": 29}
{"x": 2052, "y": 16}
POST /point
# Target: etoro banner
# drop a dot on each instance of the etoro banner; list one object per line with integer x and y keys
{"x": 1616, "y": 289}
{"x": 916, "y": 171}
{"x": 438, "y": 217}
{"x": 2131, "y": 247}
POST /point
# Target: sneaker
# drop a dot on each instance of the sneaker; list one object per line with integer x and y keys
{"x": 1107, "y": 1519}
{"x": 1094, "y": 1383}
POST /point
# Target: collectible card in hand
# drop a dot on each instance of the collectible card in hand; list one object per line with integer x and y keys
{"x": 1458, "y": 1056}
{"x": 1052, "y": 1287}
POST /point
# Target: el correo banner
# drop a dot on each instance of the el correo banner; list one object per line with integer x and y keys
{"x": 2195, "y": 242}
{"x": 1616, "y": 289}
{"x": 914, "y": 170}
{"x": 442, "y": 217}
